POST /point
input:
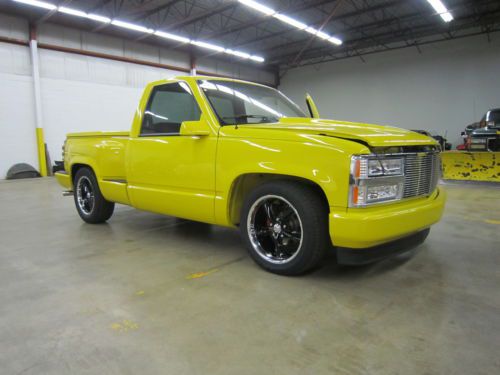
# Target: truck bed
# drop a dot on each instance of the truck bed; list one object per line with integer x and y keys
{"x": 104, "y": 152}
{"x": 98, "y": 134}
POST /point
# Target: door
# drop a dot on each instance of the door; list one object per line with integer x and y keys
{"x": 311, "y": 106}
{"x": 170, "y": 173}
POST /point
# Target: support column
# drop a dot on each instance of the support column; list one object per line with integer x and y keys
{"x": 192, "y": 63}
{"x": 40, "y": 140}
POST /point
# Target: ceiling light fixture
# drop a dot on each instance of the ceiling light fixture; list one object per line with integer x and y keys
{"x": 441, "y": 10}
{"x": 79, "y": 13}
{"x": 243, "y": 55}
{"x": 206, "y": 45}
{"x": 291, "y": 21}
{"x": 73, "y": 12}
{"x": 177, "y": 38}
{"x": 257, "y": 58}
{"x": 257, "y": 6}
{"x": 97, "y": 17}
{"x": 132, "y": 26}
{"x": 335, "y": 41}
{"x": 36, "y": 3}
{"x": 135, "y": 27}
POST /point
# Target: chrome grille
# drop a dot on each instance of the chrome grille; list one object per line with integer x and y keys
{"x": 422, "y": 172}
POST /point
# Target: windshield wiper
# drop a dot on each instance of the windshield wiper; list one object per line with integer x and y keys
{"x": 244, "y": 117}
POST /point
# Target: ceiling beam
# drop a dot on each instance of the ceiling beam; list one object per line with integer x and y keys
{"x": 139, "y": 16}
{"x": 200, "y": 16}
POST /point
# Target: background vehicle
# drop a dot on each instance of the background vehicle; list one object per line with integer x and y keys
{"x": 238, "y": 154}
{"x": 486, "y": 137}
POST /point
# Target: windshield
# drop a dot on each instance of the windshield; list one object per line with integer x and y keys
{"x": 238, "y": 103}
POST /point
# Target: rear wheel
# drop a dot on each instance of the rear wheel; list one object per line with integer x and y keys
{"x": 285, "y": 227}
{"x": 89, "y": 202}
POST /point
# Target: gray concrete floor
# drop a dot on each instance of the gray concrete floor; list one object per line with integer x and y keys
{"x": 147, "y": 294}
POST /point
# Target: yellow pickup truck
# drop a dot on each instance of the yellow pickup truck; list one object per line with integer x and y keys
{"x": 243, "y": 155}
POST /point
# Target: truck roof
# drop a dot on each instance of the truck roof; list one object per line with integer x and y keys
{"x": 200, "y": 77}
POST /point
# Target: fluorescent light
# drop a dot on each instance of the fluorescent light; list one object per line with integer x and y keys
{"x": 132, "y": 26}
{"x": 318, "y": 33}
{"x": 290, "y": 21}
{"x": 243, "y": 55}
{"x": 73, "y": 12}
{"x": 79, "y": 13}
{"x": 311, "y": 30}
{"x": 325, "y": 36}
{"x": 335, "y": 41}
{"x": 178, "y": 38}
{"x": 441, "y": 10}
{"x": 438, "y": 6}
{"x": 322, "y": 35}
{"x": 257, "y": 58}
{"x": 97, "y": 17}
{"x": 257, "y": 6}
{"x": 208, "y": 46}
{"x": 36, "y": 3}
{"x": 447, "y": 17}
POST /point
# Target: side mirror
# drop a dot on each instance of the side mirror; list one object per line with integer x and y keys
{"x": 191, "y": 128}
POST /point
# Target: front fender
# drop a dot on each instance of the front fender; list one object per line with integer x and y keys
{"x": 324, "y": 161}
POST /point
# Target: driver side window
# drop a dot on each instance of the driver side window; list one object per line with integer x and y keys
{"x": 168, "y": 106}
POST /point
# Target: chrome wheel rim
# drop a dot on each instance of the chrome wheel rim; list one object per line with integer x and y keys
{"x": 85, "y": 195}
{"x": 275, "y": 229}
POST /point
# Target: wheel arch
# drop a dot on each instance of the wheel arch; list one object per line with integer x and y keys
{"x": 245, "y": 183}
{"x": 76, "y": 167}
{"x": 78, "y": 163}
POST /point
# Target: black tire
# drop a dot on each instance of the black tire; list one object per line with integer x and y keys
{"x": 92, "y": 208}
{"x": 300, "y": 206}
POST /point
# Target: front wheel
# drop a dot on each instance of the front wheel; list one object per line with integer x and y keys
{"x": 89, "y": 202}
{"x": 285, "y": 227}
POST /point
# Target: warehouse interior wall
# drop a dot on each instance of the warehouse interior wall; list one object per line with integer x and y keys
{"x": 80, "y": 93}
{"x": 443, "y": 88}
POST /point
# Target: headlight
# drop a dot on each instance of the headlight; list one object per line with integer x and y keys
{"x": 375, "y": 180}
{"x": 385, "y": 167}
{"x": 364, "y": 167}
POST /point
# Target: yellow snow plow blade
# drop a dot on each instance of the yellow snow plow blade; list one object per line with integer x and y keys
{"x": 471, "y": 166}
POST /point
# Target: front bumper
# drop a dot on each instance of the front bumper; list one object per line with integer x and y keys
{"x": 361, "y": 228}
{"x": 357, "y": 257}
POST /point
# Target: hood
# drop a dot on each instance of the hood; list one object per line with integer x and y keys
{"x": 373, "y": 135}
